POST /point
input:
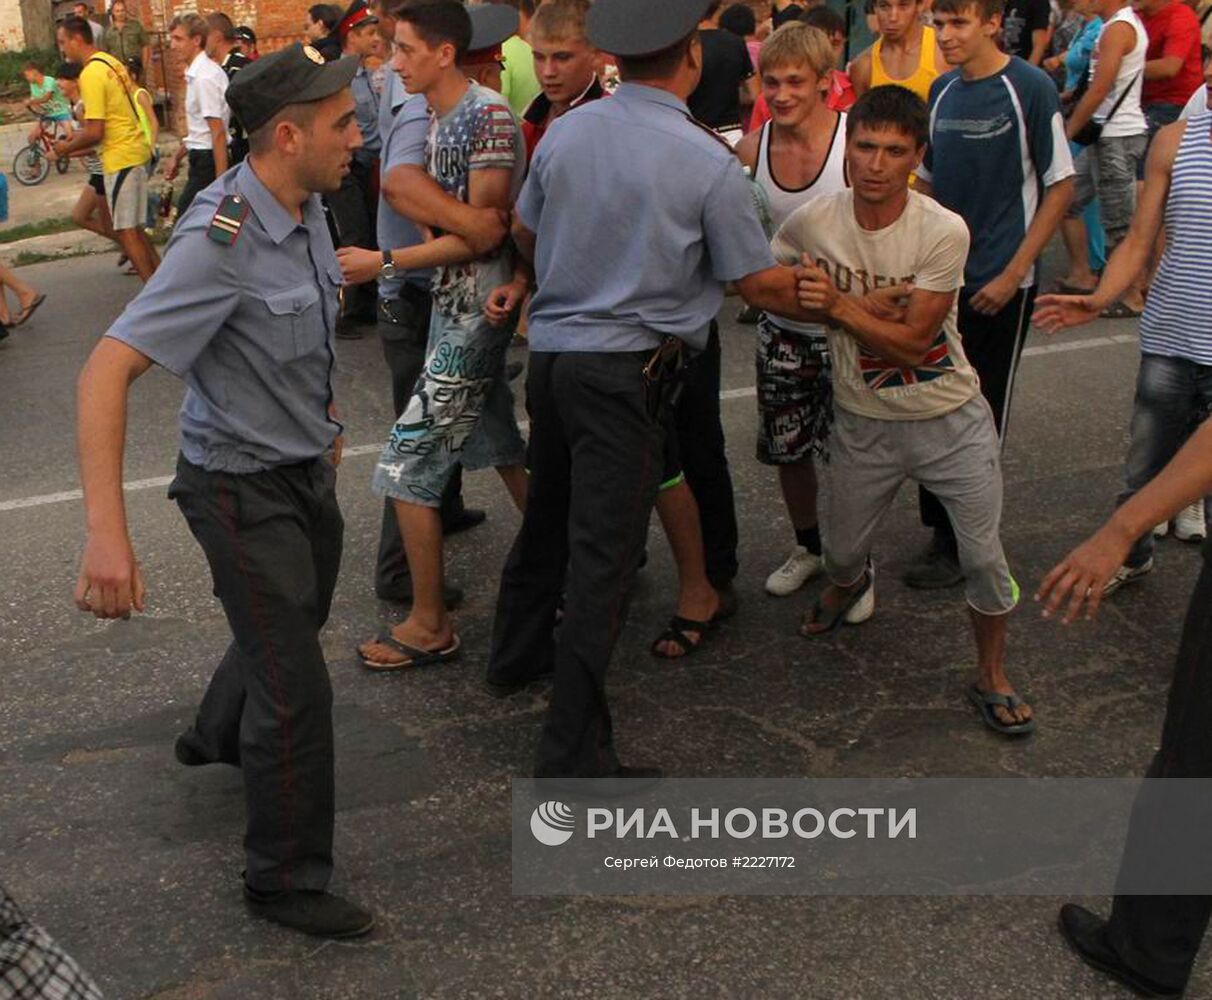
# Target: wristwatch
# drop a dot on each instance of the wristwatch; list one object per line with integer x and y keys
{"x": 388, "y": 270}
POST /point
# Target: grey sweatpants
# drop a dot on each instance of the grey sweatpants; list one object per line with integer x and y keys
{"x": 956, "y": 457}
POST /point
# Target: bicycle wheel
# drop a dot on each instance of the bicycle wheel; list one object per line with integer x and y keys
{"x": 62, "y": 163}
{"x": 30, "y": 166}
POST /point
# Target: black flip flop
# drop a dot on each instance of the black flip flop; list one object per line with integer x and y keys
{"x": 28, "y": 312}
{"x": 987, "y": 701}
{"x": 1119, "y": 311}
{"x": 676, "y": 632}
{"x": 838, "y": 618}
{"x": 416, "y": 657}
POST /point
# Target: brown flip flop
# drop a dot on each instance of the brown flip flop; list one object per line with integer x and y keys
{"x": 29, "y": 310}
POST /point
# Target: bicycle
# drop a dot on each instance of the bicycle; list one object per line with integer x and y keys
{"x": 32, "y": 162}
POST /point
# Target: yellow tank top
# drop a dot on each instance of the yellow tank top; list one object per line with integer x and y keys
{"x": 922, "y": 77}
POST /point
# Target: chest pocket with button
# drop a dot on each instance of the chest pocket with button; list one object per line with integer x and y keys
{"x": 296, "y": 324}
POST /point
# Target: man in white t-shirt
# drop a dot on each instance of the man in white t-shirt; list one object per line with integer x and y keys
{"x": 207, "y": 115}
{"x": 908, "y": 404}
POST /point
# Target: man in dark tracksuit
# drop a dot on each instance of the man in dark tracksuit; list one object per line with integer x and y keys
{"x": 244, "y": 310}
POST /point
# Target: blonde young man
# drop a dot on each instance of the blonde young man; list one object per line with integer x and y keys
{"x": 797, "y": 156}
{"x": 565, "y": 63}
{"x": 906, "y": 52}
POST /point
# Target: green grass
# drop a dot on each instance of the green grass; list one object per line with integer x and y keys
{"x": 31, "y": 257}
{"x": 46, "y": 227}
{"x": 12, "y": 83}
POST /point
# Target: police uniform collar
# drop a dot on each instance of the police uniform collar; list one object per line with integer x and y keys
{"x": 277, "y": 222}
{"x": 654, "y": 95}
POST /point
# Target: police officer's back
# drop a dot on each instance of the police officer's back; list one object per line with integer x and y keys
{"x": 637, "y": 216}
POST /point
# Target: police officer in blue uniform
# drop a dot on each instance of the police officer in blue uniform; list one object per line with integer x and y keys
{"x": 619, "y": 301}
{"x": 244, "y": 310}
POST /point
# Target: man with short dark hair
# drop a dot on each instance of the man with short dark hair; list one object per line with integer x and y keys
{"x": 85, "y": 12}
{"x": 126, "y": 36}
{"x": 206, "y": 112}
{"x": 245, "y": 313}
{"x": 907, "y": 402}
{"x": 998, "y": 158}
{"x": 222, "y": 46}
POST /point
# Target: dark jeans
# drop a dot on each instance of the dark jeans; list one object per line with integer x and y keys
{"x": 595, "y": 461}
{"x": 404, "y": 330}
{"x": 1159, "y": 936}
{"x": 994, "y": 345}
{"x": 201, "y": 176}
{"x": 700, "y": 447}
{"x": 1173, "y": 395}
{"x": 273, "y": 540}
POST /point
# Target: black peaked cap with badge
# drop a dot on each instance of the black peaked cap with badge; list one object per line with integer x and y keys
{"x": 491, "y": 24}
{"x": 642, "y": 27}
{"x": 296, "y": 74}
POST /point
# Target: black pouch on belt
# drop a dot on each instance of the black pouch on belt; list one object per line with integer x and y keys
{"x": 663, "y": 376}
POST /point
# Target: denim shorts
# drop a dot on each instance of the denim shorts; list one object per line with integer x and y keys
{"x": 461, "y": 411}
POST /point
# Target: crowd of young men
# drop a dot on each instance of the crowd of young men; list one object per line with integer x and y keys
{"x": 895, "y": 279}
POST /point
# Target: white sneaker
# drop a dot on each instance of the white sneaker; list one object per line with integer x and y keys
{"x": 1189, "y": 525}
{"x": 1126, "y": 574}
{"x": 1161, "y": 530}
{"x": 800, "y": 567}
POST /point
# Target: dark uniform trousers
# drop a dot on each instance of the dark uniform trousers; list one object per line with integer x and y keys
{"x": 273, "y": 540}
{"x": 1159, "y": 936}
{"x": 201, "y": 176}
{"x": 700, "y": 446}
{"x": 595, "y": 458}
{"x": 994, "y": 346}
{"x": 404, "y": 331}
{"x": 352, "y": 210}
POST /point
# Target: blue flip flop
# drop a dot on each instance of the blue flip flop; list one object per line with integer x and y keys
{"x": 415, "y": 657}
{"x": 987, "y": 701}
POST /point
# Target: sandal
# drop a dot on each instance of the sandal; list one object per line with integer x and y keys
{"x": 29, "y": 310}
{"x": 677, "y": 632}
{"x": 413, "y": 657}
{"x": 987, "y": 701}
{"x": 1120, "y": 311}
{"x": 856, "y": 609}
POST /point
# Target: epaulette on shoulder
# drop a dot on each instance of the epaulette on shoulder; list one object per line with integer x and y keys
{"x": 228, "y": 220}
{"x": 710, "y": 131}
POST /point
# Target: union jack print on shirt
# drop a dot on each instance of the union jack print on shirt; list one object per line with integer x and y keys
{"x": 878, "y": 375}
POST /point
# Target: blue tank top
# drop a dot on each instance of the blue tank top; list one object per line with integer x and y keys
{"x": 1177, "y": 321}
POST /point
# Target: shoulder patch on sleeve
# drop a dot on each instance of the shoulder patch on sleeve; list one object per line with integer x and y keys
{"x": 228, "y": 220}
{"x": 709, "y": 131}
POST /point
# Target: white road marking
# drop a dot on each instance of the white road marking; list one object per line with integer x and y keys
{"x": 357, "y": 451}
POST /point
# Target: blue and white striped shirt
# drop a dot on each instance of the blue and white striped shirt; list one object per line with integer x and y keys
{"x": 1178, "y": 321}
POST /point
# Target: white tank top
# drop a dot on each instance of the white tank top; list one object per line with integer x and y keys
{"x": 783, "y": 201}
{"x": 1128, "y": 119}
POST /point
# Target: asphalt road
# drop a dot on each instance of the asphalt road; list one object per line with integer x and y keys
{"x": 133, "y": 862}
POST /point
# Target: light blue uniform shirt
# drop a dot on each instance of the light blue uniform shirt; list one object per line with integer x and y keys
{"x": 366, "y": 111}
{"x": 403, "y": 144}
{"x": 650, "y": 214}
{"x": 249, "y": 327}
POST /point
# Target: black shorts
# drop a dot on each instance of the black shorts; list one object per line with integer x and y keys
{"x": 97, "y": 183}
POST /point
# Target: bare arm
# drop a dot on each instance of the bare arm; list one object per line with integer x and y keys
{"x": 750, "y": 89}
{"x": 1165, "y": 68}
{"x": 1115, "y": 43}
{"x": 412, "y": 193}
{"x": 747, "y": 149}
{"x": 486, "y": 189}
{"x": 89, "y": 135}
{"x": 1039, "y": 45}
{"x": 1081, "y": 576}
{"x": 905, "y": 341}
{"x": 523, "y": 239}
{"x": 860, "y": 73}
{"x": 109, "y": 584}
{"x": 1056, "y": 312}
{"x": 774, "y": 290}
{"x": 218, "y": 139}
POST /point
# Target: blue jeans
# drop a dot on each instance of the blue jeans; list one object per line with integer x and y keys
{"x": 1172, "y": 396}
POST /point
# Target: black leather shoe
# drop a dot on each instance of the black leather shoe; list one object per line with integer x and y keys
{"x": 509, "y": 688}
{"x": 186, "y": 754}
{"x": 468, "y": 519}
{"x": 1086, "y": 934}
{"x": 452, "y": 596}
{"x": 317, "y": 913}
{"x": 936, "y": 569}
{"x": 623, "y": 781}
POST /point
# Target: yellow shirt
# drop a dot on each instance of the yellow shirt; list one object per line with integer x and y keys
{"x": 108, "y": 96}
{"x": 922, "y": 77}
